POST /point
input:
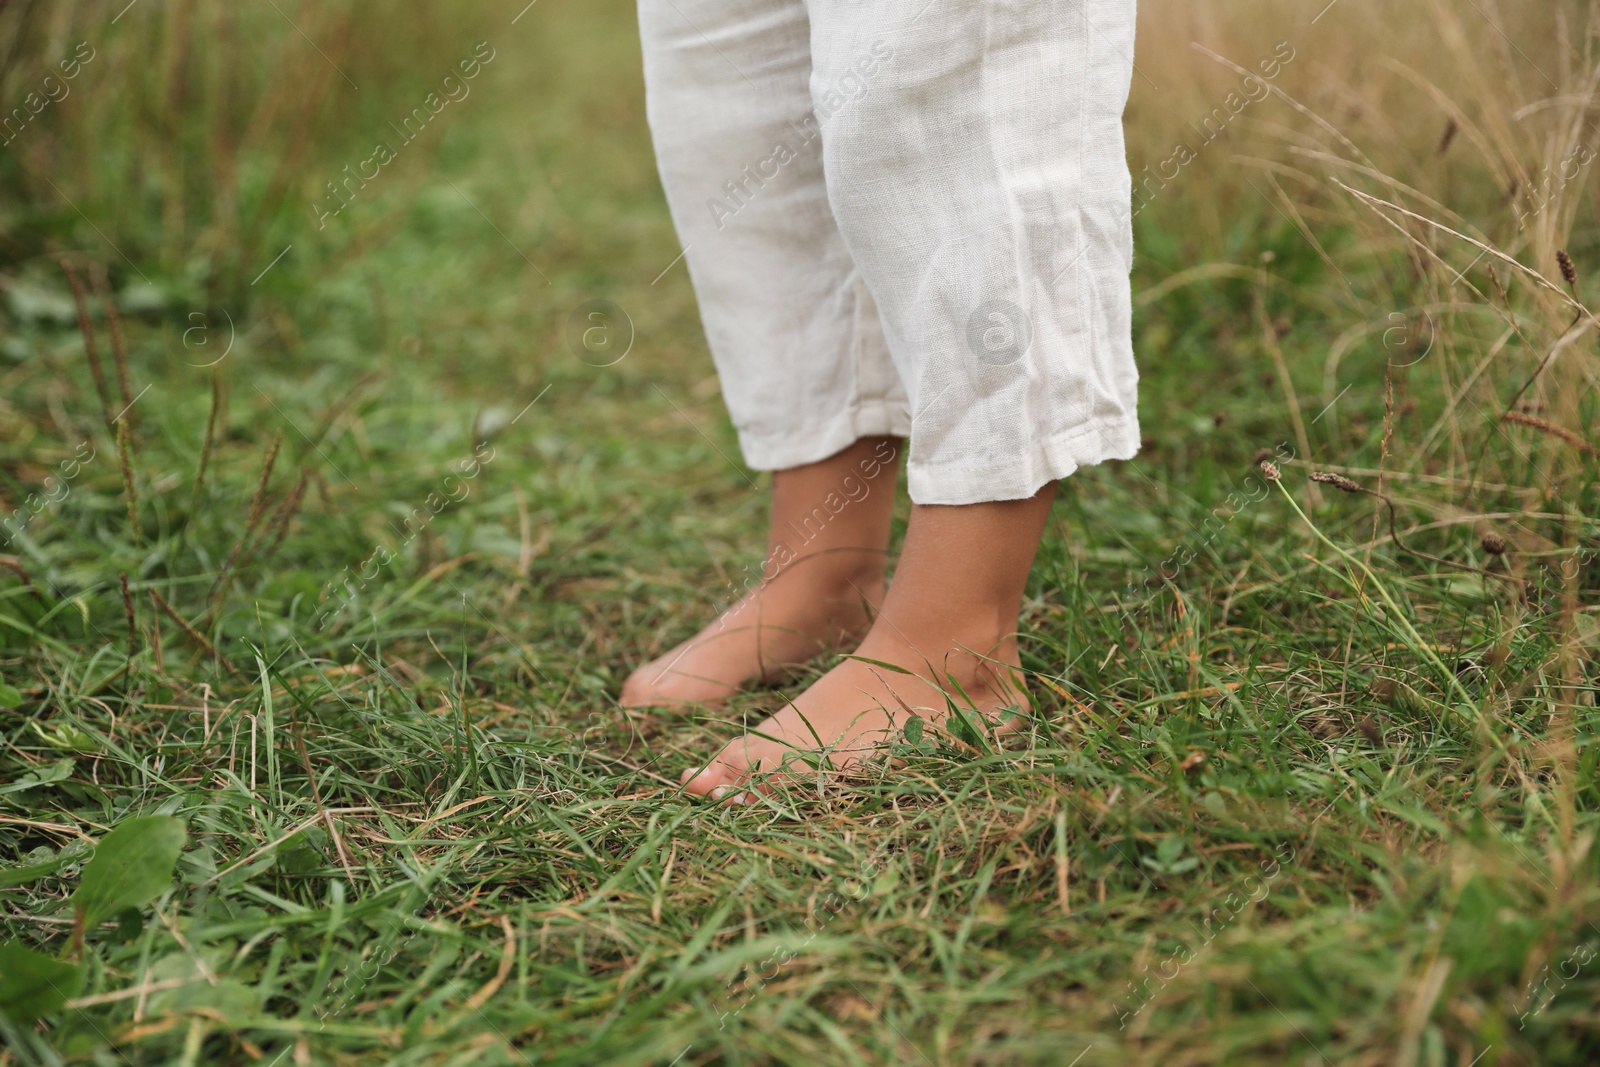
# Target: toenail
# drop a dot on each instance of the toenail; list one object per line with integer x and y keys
{"x": 719, "y": 792}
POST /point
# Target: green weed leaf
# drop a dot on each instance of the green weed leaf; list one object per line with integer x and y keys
{"x": 968, "y": 727}
{"x": 913, "y": 730}
{"x": 41, "y": 862}
{"x": 32, "y": 984}
{"x": 66, "y": 738}
{"x": 131, "y": 867}
{"x": 59, "y": 771}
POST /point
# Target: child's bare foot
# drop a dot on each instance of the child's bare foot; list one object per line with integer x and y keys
{"x": 803, "y": 612}
{"x": 819, "y": 586}
{"x": 857, "y": 707}
{"x": 952, "y": 611}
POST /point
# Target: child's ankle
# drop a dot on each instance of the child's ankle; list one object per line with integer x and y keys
{"x": 834, "y": 572}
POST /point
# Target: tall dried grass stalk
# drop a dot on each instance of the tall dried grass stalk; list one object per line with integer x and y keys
{"x": 90, "y": 351}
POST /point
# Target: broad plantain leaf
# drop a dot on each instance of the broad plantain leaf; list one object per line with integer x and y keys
{"x": 32, "y": 984}
{"x": 131, "y": 866}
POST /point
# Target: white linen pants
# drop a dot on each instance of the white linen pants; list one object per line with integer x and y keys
{"x": 908, "y": 218}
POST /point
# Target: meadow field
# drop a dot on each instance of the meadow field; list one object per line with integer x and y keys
{"x": 358, "y": 435}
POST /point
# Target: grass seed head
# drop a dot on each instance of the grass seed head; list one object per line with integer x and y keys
{"x": 1494, "y": 544}
{"x": 1369, "y": 728}
{"x": 1338, "y": 481}
{"x": 1568, "y": 271}
{"x": 1448, "y": 136}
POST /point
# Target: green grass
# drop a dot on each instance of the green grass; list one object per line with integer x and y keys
{"x": 1308, "y": 798}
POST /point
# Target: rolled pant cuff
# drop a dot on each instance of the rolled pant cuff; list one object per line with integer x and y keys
{"x": 795, "y": 448}
{"x": 1019, "y": 477}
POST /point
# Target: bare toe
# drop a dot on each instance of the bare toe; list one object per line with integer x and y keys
{"x": 847, "y": 716}
{"x": 715, "y": 781}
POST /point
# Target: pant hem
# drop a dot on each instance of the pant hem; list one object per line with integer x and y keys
{"x": 1021, "y": 477}
{"x": 795, "y": 448}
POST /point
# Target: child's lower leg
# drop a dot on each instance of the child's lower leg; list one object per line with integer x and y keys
{"x": 818, "y": 586}
{"x": 952, "y": 611}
